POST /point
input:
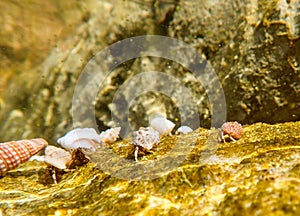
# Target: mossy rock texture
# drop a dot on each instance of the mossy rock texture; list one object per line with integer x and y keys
{"x": 256, "y": 175}
{"x": 253, "y": 46}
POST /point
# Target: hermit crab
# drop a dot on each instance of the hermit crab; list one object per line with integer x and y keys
{"x": 231, "y": 131}
{"x": 61, "y": 160}
{"x": 147, "y": 137}
{"x": 75, "y": 142}
{"x": 144, "y": 139}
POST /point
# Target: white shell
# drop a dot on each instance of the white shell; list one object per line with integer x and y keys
{"x": 110, "y": 135}
{"x": 57, "y": 157}
{"x": 40, "y": 158}
{"x": 80, "y": 138}
{"x": 146, "y": 137}
{"x": 184, "y": 130}
{"x": 162, "y": 125}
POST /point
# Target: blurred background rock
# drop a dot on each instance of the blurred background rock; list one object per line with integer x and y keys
{"x": 252, "y": 45}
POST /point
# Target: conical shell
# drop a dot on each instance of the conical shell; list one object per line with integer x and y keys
{"x": 13, "y": 153}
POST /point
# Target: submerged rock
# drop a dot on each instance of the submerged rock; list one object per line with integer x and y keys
{"x": 258, "y": 174}
{"x": 252, "y": 47}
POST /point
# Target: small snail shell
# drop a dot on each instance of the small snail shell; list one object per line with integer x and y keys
{"x": 80, "y": 138}
{"x": 162, "y": 125}
{"x": 184, "y": 130}
{"x": 146, "y": 137}
{"x": 57, "y": 157}
{"x": 232, "y": 130}
{"x": 13, "y": 153}
{"x": 110, "y": 135}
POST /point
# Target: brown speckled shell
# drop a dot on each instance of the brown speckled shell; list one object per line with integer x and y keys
{"x": 13, "y": 153}
{"x": 233, "y": 129}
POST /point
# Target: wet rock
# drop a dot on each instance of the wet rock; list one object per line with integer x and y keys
{"x": 223, "y": 178}
{"x": 252, "y": 47}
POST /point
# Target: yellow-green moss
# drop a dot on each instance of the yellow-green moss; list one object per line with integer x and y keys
{"x": 258, "y": 174}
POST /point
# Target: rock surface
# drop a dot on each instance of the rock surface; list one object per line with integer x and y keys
{"x": 257, "y": 175}
{"x": 253, "y": 47}
{"x": 28, "y": 33}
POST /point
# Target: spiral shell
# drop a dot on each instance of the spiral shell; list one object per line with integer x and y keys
{"x": 146, "y": 138}
{"x": 57, "y": 157}
{"x": 110, "y": 135}
{"x": 232, "y": 130}
{"x": 80, "y": 138}
{"x": 13, "y": 153}
{"x": 184, "y": 130}
{"x": 162, "y": 125}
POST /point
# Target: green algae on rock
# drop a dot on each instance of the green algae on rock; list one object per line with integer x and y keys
{"x": 256, "y": 175}
{"x": 251, "y": 45}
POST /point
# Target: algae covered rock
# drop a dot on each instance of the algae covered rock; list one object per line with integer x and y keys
{"x": 251, "y": 46}
{"x": 258, "y": 174}
{"x": 254, "y": 48}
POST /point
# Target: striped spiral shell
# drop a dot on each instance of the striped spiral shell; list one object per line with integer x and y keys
{"x": 13, "y": 153}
